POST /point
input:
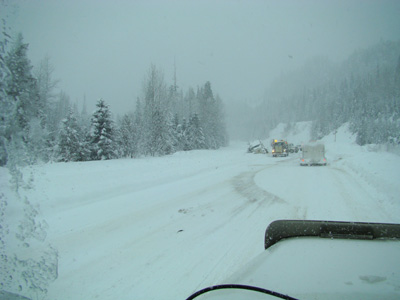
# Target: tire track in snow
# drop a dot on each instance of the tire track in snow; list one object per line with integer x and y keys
{"x": 245, "y": 185}
{"x": 243, "y": 200}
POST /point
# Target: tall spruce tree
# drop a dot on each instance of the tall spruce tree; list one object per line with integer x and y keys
{"x": 102, "y": 135}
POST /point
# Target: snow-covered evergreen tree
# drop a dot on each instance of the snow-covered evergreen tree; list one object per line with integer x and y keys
{"x": 194, "y": 134}
{"x": 158, "y": 142}
{"x": 71, "y": 144}
{"x": 176, "y": 132}
{"x": 182, "y": 135}
{"x": 21, "y": 85}
{"x": 102, "y": 134}
{"x": 126, "y": 136}
{"x": 212, "y": 117}
{"x": 58, "y": 111}
{"x": 22, "y": 91}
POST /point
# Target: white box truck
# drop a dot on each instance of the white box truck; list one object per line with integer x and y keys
{"x": 313, "y": 154}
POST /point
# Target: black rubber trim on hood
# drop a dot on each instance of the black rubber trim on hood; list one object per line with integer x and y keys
{"x": 283, "y": 229}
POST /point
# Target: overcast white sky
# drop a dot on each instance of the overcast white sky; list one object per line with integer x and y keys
{"x": 105, "y": 48}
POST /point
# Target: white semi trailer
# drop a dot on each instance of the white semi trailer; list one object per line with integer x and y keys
{"x": 313, "y": 154}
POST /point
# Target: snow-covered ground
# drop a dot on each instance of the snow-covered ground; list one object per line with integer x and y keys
{"x": 161, "y": 228}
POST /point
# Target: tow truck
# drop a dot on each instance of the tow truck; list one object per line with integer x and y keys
{"x": 279, "y": 148}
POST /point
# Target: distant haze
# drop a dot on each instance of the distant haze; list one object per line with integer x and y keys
{"x": 103, "y": 49}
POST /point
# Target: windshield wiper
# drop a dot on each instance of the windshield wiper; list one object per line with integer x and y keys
{"x": 240, "y": 287}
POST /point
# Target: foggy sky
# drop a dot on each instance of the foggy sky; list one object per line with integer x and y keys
{"x": 104, "y": 49}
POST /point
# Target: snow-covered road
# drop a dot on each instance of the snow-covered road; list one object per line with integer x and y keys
{"x": 183, "y": 229}
{"x": 161, "y": 228}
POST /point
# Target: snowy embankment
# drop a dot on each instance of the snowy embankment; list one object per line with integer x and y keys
{"x": 379, "y": 170}
{"x": 160, "y": 228}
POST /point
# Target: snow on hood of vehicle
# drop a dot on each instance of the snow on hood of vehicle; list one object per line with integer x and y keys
{"x": 334, "y": 269}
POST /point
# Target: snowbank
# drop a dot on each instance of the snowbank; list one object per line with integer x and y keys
{"x": 379, "y": 169}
